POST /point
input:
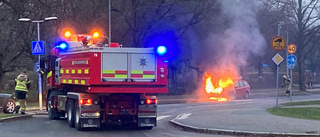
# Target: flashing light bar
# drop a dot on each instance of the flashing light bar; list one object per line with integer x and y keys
{"x": 161, "y": 50}
{"x": 62, "y": 46}
{"x": 67, "y": 34}
{"x": 96, "y": 35}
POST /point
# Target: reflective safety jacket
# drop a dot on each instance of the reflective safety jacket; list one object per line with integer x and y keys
{"x": 21, "y": 85}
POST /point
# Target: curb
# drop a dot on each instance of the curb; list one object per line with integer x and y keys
{"x": 238, "y": 132}
{"x": 18, "y": 117}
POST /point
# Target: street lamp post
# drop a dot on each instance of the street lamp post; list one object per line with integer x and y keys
{"x": 38, "y": 63}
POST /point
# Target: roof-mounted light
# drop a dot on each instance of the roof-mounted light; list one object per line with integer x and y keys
{"x": 67, "y": 33}
{"x": 63, "y": 46}
{"x": 161, "y": 50}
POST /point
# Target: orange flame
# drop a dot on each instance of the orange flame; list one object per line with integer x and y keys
{"x": 218, "y": 86}
{"x": 210, "y": 88}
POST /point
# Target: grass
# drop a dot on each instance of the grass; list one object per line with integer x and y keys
{"x": 3, "y": 115}
{"x": 315, "y": 102}
{"x": 311, "y": 113}
{"x": 301, "y": 111}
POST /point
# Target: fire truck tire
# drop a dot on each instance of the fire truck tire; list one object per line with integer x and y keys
{"x": 52, "y": 112}
{"x": 70, "y": 112}
{"x": 77, "y": 117}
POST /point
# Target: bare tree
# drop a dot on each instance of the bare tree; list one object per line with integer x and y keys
{"x": 306, "y": 33}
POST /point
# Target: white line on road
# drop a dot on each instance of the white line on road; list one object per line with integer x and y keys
{"x": 162, "y": 117}
{"x": 183, "y": 116}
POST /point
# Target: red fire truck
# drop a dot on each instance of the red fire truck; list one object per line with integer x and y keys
{"x": 92, "y": 83}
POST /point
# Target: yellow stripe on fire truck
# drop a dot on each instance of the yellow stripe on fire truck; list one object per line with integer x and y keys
{"x": 136, "y": 72}
{"x": 149, "y": 76}
{"x": 114, "y": 73}
{"x": 75, "y": 81}
{"x": 143, "y": 74}
{"x": 86, "y": 71}
{"x": 74, "y": 71}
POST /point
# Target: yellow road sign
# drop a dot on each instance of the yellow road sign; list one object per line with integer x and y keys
{"x": 292, "y": 48}
{"x": 278, "y": 43}
{"x": 277, "y": 59}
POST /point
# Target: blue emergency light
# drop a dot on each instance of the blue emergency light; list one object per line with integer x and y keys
{"x": 161, "y": 50}
{"x": 62, "y": 46}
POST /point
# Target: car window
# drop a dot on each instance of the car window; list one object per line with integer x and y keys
{"x": 245, "y": 83}
{"x": 236, "y": 84}
{"x": 241, "y": 84}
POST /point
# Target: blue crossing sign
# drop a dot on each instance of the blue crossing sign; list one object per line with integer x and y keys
{"x": 38, "y": 48}
{"x": 291, "y": 59}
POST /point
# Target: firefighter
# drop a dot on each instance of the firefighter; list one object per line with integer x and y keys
{"x": 287, "y": 84}
{"x": 22, "y": 85}
{"x": 310, "y": 82}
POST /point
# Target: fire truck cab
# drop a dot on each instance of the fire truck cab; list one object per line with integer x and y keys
{"x": 92, "y": 83}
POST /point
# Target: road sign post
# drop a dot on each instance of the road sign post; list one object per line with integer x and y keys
{"x": 277, "y": 59}
{"x": 291, "y": 60}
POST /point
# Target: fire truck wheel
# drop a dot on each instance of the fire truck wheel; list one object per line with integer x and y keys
{"x": 77, "y": 117}
{"x": 70, "y": 113}
{"x": 52, "y": 112}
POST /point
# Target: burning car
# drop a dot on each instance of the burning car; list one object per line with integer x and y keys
{"x": 226, "y": 88}
{"x": 241, "y": 89}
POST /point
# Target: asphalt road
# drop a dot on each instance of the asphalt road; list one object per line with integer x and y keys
{"x": 41, "y": 126}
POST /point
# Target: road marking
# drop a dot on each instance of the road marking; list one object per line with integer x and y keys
{"x": 183, "y": 116}
{"x": 162, "y": 117}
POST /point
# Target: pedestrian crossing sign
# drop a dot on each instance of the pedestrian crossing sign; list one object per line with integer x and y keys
{"x": 38, "y": 48}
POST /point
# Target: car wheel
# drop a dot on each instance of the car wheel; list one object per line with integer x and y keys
{"x": 9, "y": 106}
{"x": 246, "y": 96}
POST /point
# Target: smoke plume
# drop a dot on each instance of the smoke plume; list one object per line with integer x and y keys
{"x": 240, "y": 39}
